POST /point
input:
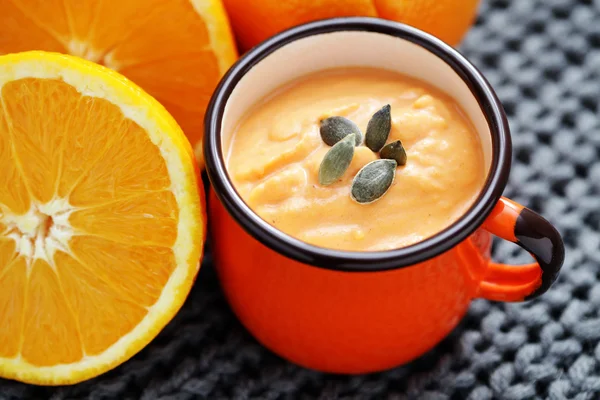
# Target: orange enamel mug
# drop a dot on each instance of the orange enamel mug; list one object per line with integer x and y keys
{"x": 357, "y": 312}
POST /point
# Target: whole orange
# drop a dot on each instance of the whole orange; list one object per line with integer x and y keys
{"x": 255, "y": 21}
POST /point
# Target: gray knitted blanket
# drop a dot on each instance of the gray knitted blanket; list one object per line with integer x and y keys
{"x": 543, "y": 58}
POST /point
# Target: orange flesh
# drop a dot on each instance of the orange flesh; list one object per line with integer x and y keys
{"x": 275, "y": 152}
{"x": 105, "y": 219}
{"x": 163, "y": 46}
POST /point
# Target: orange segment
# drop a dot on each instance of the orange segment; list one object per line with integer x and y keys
{"x": 175, "y": 80}
{"x": 82, "y": 121}
{"x": 7, "y": 254}
{"x": 50, "y": 335}
{"x": 139, "y": 273}
{"x": 101, "y": 220}
{"x": 104, "y": 316}
{"x": 146, "y": 220}
{"x": 38, "y": 147}
{"x": 12, "y": 298}
{"x": 117, "y": 174}
{"x": 17, "y": 198}
{"x": 84, "y": 137}
{"x": 83, "y": 16}
{"x": 19, "y": 32}
{"x": 164, "y": 38}
{"x": 100, "y": 25}
{"x": 50, "y": 16}
{"x": 177, "y": 50}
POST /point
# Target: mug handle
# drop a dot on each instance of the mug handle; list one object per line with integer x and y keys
{"x": 513, "y": 222}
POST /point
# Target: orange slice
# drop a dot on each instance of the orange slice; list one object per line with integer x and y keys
{"x": 101, "y": 218}
{"x": 176, "y": 50}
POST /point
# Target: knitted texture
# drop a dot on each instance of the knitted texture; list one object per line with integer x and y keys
{"x": 543, "y": 58}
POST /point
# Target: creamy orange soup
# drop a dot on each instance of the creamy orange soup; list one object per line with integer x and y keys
{"x": 274, "y": 154}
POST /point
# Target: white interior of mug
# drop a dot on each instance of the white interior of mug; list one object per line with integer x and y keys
{"x": 352, "y": 49}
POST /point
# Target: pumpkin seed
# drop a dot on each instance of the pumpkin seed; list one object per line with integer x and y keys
{"x": 334, "y": 129}
{"x": 337, "y": 160}
{"x": 394, "y": 151}
{"x": 373, "y": 181}
{"x": 379, "y": 128}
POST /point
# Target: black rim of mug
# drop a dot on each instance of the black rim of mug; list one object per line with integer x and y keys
{"x": 349, "y": 260}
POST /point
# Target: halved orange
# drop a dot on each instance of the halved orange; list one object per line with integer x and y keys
{"x": 101, "y": 218}
{"x": 176, "y": 50}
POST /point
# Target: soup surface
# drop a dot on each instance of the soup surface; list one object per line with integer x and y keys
{"x": 273, "y": 158}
